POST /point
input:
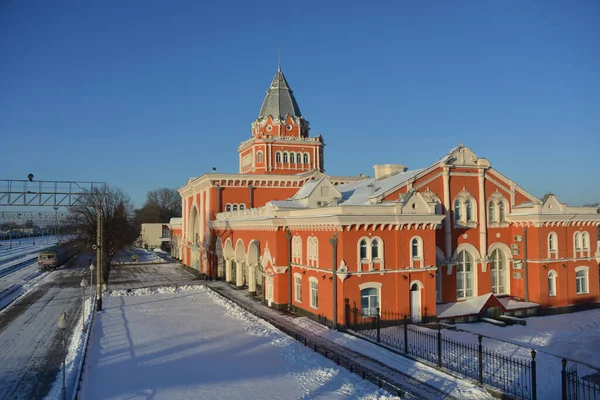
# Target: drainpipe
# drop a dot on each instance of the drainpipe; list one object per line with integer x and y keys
{"x": 334, "y": 243}
{"x": 220, "y": 198}
{"x": 251, "y": 188}
{"x": 288, "y": 237}
{"x": 525, "y": 264}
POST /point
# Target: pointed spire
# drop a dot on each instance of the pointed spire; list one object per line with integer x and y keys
{"x": 278, "y": 58}
{"x": 279, "y": 101}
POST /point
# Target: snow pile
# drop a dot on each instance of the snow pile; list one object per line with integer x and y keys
{"x": 73, "y": 359}
{"x": 154, "y": 290}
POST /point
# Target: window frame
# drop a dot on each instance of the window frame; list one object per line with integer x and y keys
{"x": 584, "y": 278}
{"x": 314, "y": 291}
{"x": 500, "y": 272}
{"x": 552, "y": 288}
{"x": 259, "y": 156}
{"x": 377, "y": 286}
{"x": 465, "y": 275}
{"x": 297, "y": 287}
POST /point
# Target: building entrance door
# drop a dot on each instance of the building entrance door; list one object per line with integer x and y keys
{"x": 415, "y": 303}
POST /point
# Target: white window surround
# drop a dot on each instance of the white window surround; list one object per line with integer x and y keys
{"x": 299, "y": 158}
{"x": 459, "y": 205}
{"x": 230, "y": 207}
{"x": 499, "y": 271}
{"x": 369, "y": 260}
{"x": 259, "y": 156}
{"x": 419, "y": 256}
{"x": 314, "y": 297}
{"x": 306, "y": 157}
{"x": 582, "y": 279}
{"x": 298, "y": 287}
{"x": 278, "y": 157}
{"x": 285, "y": 157}
{"x": 297, "y": 249}
{"x": 312, "y": 251}
{"x": 552, "y": 242}
{"x": 581, "y": 244}
{"x": 466, "y": 275}
{"x": 552, "y": 289}
{"x": 371, "y": 285}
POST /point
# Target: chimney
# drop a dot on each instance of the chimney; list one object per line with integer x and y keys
{"x": 385, "y": 170}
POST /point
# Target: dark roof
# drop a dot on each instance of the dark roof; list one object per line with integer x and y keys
{"x": 279, "y": 101}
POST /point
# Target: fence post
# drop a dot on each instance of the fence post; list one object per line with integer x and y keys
{"x": 355, "y": 316}
{"x": 405, "y": 334}
{"x": 563, "y": 376}
{"x": 439, "y": 346}
{"x": 378, "y": 320}
{"x": 533, "y": 377}
{"x": 480, "y": 360}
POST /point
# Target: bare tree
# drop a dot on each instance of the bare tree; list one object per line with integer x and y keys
{"x": 117, "y": 229}
{"x": 161, "y": 205}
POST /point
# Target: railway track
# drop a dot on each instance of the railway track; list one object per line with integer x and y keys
{"x": 7, "y": 271}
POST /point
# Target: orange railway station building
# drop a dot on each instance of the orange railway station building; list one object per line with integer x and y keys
{"x": 446, "y": 241}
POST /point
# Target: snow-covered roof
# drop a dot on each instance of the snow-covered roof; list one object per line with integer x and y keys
{"x": 307, "y": 189}
{"x": 358, "y": 193}
{"x": 472, "y": 306}
{"x": 288, "y": 203}
{"x": 513, "y": 304}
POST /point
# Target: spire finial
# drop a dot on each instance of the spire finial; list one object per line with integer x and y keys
{"x": 278, "y": 58}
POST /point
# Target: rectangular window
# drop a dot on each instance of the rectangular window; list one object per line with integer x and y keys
{"x": 581, "y": 280}
{"x": 314, "y": 295}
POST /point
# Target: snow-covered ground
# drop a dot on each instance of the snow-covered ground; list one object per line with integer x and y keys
{"x": 184, "y": 344}
{"x": 24, "y": 247}
{"x": 136, "y": 255}
{"x": 574, "y": 336}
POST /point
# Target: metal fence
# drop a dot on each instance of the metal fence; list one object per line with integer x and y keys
{"x": 575, "y": 388}
{"x": 513, "y": 376}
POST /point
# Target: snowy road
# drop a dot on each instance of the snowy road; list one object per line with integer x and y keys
{"x": 29, "y": 337}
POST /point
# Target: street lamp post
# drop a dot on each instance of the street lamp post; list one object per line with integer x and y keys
{"x": 62, "y": 325}
{"x": 92, "y": 267}
{"x": 83, "y": 285}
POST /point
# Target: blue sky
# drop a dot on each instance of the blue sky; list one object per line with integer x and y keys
{"x": 144, "y": 94}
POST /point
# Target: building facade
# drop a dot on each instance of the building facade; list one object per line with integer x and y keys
{"x": 432, "y": 241}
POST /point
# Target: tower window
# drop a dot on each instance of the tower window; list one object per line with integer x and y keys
{"x": 259, "y": 156}
{"x": 285, "y": 158}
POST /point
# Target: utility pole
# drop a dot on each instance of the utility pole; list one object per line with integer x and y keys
{"x": 99, "y": 258}
{"x": 334, "y": 243}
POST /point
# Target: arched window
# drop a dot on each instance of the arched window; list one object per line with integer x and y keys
{"x": 297, "y": 248}
{"x": 502, "y": 212}
{"x": 227, "y": 207}
{"x": 552, "y": 245}
{"x": 259, "y": 156}
{"x": 492, "y": 212}
{"x": 369, "y": 302}
{"x": 552, "y": 283}
{"x": 292, "y": 158}
{"x": 585, "y": 240}
{"x": 415, "y": 248}
{"x": 363, "y": 249}
{"x": 375, "y": 249}
{"x": 457, "y": 210}
{"x": 242, "y": 207}
{"x": 464, "y": 275}
{"x": 298, "y": 158}
{"x": 278, "y": 157}
{"x": 305, "y": 158}
{"x": 234, "y": 207}
{"x": 285, "y": 158}
{"x": 498, "y": 272}
{"x": 469, "y": 210}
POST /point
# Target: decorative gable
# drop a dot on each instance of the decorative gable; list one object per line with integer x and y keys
{"x": 551, "y": 205}
{"x": 415, "y": 203}
{"x": 318, "y": 193}
{"x": 463, "y": 156}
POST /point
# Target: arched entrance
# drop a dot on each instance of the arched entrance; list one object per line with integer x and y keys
{"x": 415, "y": 301}
{"x": 194, "y": 238}
{"x": 255, "y": 276}
{"x": 241, "y": 268}
{"x": 220, "y": 259}
{"x": 229, "y": 255}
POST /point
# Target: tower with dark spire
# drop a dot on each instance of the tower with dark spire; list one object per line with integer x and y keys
{"x": 280, "y": 143}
